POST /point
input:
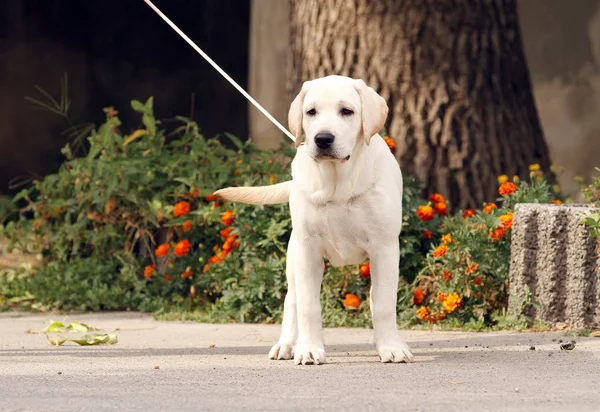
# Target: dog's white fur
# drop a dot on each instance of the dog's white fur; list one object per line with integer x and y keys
{"x": 346, "y": 205}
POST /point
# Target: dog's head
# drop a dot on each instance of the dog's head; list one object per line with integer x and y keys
{"x": 336, "y": 113}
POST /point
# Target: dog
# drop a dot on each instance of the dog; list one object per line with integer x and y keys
{"x": 345, "y": 200}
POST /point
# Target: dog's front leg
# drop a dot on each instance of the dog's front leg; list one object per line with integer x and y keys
{"x": 308, "y": 274}
{"x": 384, "y": 290}
{"x": 284, "y": 349}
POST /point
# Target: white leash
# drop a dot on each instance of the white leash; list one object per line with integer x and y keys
{"x": 221, "y": 71}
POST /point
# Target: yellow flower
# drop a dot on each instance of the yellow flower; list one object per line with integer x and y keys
{"x": 516, "y": 179}
{"x": 452, "y": 302}
{"x": 423, "y": 312}
{"x": 534, "y": 167}
{"x": 502, "y": 179}
{"x": 447, "y": 239}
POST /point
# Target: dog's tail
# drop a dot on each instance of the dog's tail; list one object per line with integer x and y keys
{"x": 258, "y": 195}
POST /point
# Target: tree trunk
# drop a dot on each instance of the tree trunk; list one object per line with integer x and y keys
{"x": 269, "y": 48}
{"x": 453, "y": 73}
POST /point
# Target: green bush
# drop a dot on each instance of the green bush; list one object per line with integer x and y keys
{"x": 592, "y": 194}
{"x": 98, "y": 221}
{"x": 465, "y": 280}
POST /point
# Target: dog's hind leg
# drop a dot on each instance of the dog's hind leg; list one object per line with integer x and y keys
{"x": 384, "y": 290}
{"x": 284, "y": 349}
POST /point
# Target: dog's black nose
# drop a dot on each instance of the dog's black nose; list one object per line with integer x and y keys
{"x": 324, "y": 140}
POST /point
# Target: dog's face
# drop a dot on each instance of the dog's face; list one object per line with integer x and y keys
{"x": 336, "y": 113}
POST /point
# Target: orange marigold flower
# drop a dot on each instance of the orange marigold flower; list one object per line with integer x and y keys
{"x": 195, "y": 193}
{"x": 211, "y": 198}
{"x": 181, "y": 209}
{"x": 472, "y": 268}
{"x": 215, "y": 259}
{"x": 507, "y": 188}
{"x": 488, "y": 207}
{"x": 216, "y": 204}
{"x": 447, "y": 239}
{"x": 478, "y": 281}
{"x": 365, "y": 270}
{"x": 437, "y": 198}
{"x": 149, "y": 271}
{"x": 428, "y": 234}
{"x": 425, "y": 212}
{"x": 223, "y": 254}
{"x": 423, "y": 312}
{"x": 441, "y": 209}
{"x": 206, "y": 268}
{"x": 507, "y": 220}
{"x": 440, "y": 251}
{"x": 226, "y": 232}
{"x": 497, "y": 234}
{"x": 452, "y": 302}
{"x": 168, "y": 278}
{"x": 391, "y": 144}
{"x": 187, "y": 225}
{"x": 441, "y": 316}
{"x": 182, "y": 248}
{"x": 418, "y": 297}
{"x": 447, "y": 275}
{"x": 557, "y": 202}
{"x": 187, "y": 274}
{"x": 162, "y": 250}
{"x": 228, "y": 245}
{"x": 351, "y": 301}
{"x": 228, "y": 217}
{"x": 441, "y": 296}
{"x": 469, "y": 213}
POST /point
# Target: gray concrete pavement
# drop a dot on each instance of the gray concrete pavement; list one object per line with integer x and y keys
{"x": 454, "y": 371}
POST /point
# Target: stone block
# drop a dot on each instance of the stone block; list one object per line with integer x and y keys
{"x": 554, "y": 274}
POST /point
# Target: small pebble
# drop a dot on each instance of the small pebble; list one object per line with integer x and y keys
{"x": 60, "y": 373}
{"x": 212, "y": 345}
{"x": 516, "y": 389}
{"x": 532, "y": 347}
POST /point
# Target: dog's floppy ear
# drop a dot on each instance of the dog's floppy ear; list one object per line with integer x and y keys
{"x": 295, "y": 115}
{"x": 374, "y": 110}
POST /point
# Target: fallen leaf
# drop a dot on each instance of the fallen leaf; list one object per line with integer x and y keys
{"x": 595, "y": 334}
{"x": 157, "y": 367}
{"x": 90, "y": 339}
{"x": 212, "y": 345}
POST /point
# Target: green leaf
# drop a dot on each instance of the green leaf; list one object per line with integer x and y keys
{"x": 54, "y": 327}
{"x": 138, "y": 106}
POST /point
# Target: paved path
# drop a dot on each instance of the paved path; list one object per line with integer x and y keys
{"x": 454, "y": 371}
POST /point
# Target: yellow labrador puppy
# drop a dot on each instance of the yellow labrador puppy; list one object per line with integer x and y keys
{"x": 346, "y": 205}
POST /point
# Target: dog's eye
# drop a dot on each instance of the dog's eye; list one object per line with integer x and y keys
{"x": 347, "y": 112}
{"x": 311, "y": 112}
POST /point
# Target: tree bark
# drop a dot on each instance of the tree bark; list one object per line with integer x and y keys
{"x": 453, "y": 73}
{"x": 269, "y": 48}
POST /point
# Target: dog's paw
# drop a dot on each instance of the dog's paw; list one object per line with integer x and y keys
{"x": 282, "y": 351}
{"x": 396, "y": 352}
{"x": 309, "y": 355}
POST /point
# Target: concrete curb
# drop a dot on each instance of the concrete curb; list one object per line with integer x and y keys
{"x": 553, "y": 266}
